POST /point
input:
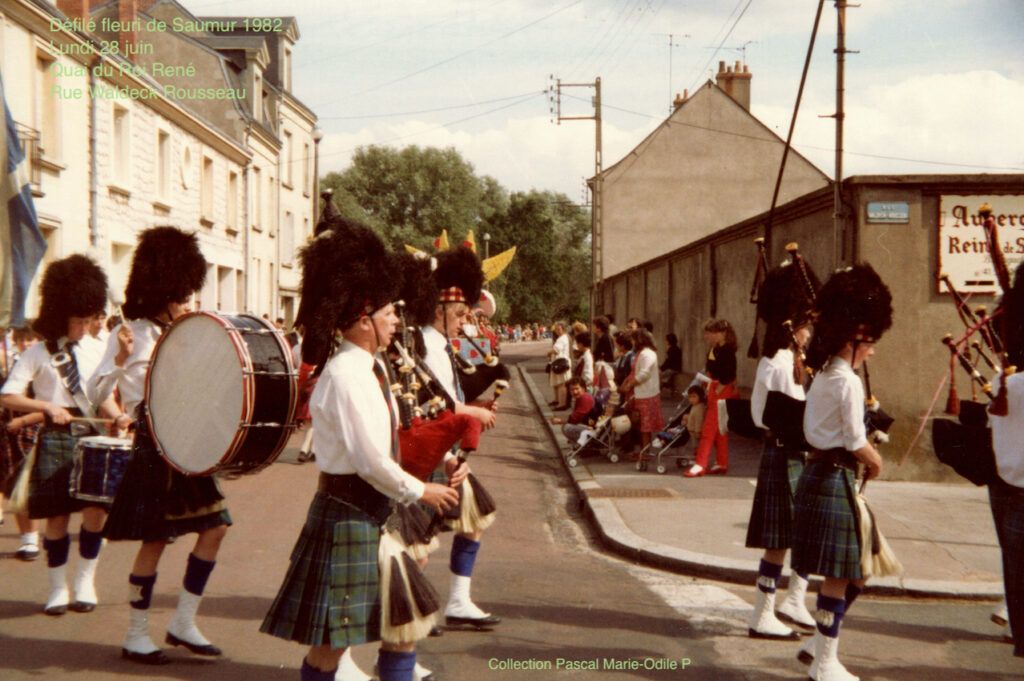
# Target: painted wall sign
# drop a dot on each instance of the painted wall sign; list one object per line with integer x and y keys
{"x": 889, "y": 211}
{"x": 963, "y": 251}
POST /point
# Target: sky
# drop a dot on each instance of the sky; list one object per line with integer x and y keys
{"x": 936, "y": 86}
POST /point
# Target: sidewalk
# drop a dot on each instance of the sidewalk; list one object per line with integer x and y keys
{"x": 942, "y": 533}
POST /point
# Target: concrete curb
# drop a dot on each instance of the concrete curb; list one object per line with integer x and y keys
{"x": 618, "y": 537}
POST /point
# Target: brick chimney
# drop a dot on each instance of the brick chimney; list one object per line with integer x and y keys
{"x": 75, "y": 9}
{"x": 735, "y": 82}
{"x": 680, "y": 99}
{"x": 127, "y": 13}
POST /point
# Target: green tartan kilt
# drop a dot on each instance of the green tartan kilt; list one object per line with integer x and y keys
{"x": 330, "y": 595}
{"x": 825, "y": 540}
{"x": 49, "y": 483}
{"x": 771, "y": 516}
{"x": 157, "y": 503}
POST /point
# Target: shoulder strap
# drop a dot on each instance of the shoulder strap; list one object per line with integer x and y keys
{"x": 61, "y": 362}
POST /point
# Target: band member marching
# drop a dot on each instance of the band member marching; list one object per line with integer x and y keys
{"x": 155, "y": 503}
{"x": 854, "y": 309}
{"x": 74, "y": 290}
{"x": 785, "y": 303}
{"x": 459, "y": 279}
{"x": 343, "y": 587}
{"x": 1006, "y": 491}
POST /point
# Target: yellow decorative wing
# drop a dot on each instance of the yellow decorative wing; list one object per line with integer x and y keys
{"x": 417, "y": 252}
{"x": 470, "y": 241}
{"x": 495, "y": 265}
{"x": 441, "y": 242}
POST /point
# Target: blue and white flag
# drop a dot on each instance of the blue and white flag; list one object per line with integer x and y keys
{"x": 22, "y": 245}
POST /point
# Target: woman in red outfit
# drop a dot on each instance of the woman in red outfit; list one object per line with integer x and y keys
{"x": 721, "y": 369}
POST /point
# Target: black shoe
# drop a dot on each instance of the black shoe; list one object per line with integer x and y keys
{"x": 208, "y": 650}
{"x": 553, "y": 403}
{"x": 56, "y": 611}
{"x": 436, "y": 631}
{"x": 478, "y": 622}
{"x": 82, "y": 606}
{"x": 27, "y": 553}
{"x": 155, "y": 658}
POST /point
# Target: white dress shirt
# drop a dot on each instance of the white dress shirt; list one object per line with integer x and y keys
{"x": 438, "y": 361}
{"x": 352, "y": 426}
{"x": 34, "y": 368}
{"x": 648, "y": 380}
{"x": 131, "y": 378}
{"x": 834, "y": 417}
{"x": 586, "y": 362}
{"x": 776, "y": 374}
{"x": 1008, "y": 434}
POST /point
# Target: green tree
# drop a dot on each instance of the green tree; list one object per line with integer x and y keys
{"x": 409, "y": 195}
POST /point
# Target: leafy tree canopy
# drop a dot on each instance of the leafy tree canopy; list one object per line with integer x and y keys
{"x": 409, "y": 195}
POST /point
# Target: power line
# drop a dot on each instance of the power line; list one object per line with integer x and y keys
{"x": 459, "y": 55}
{"x": 717, "y": 49}
{"x": 594, "y": 47}
{"x": 613, "y": 64}
{"x": 522, "y": 100}
{"x": 805, "y": 146}
{"x": 423, "y": 111}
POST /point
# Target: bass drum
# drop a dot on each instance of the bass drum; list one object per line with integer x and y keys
{"x": 221, "y": 394}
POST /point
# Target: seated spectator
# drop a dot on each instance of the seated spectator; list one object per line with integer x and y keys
{"x": 673, "y": 364}
{"x": 579, "y": 419}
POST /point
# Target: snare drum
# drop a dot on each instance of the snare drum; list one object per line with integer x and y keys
{"x": 100, "y": 463}
{"x": 221, "y": 393}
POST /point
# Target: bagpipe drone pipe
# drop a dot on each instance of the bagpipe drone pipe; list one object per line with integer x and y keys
{"x": 966, "y": 444}
{"x": 478, "y": 378}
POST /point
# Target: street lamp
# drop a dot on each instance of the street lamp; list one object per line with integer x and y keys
{"x": 487, "y": 245}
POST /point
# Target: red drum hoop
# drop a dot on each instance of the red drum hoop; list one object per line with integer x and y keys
{"x": 221, "y": 394}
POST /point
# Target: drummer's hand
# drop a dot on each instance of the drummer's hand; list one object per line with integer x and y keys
{"x": 15, "y": 425}
{"x": 457, "y": 471}
{"x": 120, "y": 425}
{"x": 125, "y": 343}
{"x": 486, "y": 417}
{"x": 58, "y": 415}
{"x": 439, "y": 497}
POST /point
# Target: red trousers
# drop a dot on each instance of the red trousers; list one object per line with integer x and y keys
{"x": 709, "y": 434}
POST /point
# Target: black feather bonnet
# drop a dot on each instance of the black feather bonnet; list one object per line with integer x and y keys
{"x": 419, "y": 291}
{"x": 74, "y": 286}
{"x": 787, "y": 294}
{"x": 347, "y": 272}
{"x": 853, "y": 305}
{"x": 459, "y": 276}
{"x": 167, "y": 267}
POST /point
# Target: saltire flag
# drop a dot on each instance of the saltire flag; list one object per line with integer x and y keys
{"x": 22, "y": 245}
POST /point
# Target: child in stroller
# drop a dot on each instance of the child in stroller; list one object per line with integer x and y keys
{"x": 682, "y": 428}
{"x": 608, "y": 421}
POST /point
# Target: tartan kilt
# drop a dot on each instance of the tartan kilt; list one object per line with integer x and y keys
{"x": 330, "y": 595}
{"x": 771, "y": 516}
{"x": 825, "y": 536}
{"x": 157, "y": 503}
{"x": 49, "y": 483}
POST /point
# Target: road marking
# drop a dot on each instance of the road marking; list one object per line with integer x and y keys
{"x": 709, "y": 607}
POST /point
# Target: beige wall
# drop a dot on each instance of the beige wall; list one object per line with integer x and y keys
{"x": 910, "y": 367}
{"x": 710, "y": 165}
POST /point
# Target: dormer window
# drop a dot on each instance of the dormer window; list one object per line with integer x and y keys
{"x": 286, "y": 69}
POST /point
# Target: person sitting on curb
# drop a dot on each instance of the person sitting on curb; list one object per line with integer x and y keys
{"x": 578, "y": 420}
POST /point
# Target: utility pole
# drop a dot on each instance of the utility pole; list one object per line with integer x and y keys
{"x": 839, "y": 211}
{"x": 596, "y": 239}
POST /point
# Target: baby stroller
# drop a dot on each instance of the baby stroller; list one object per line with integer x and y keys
{"x": 601, "y": 439}
{"x": 675, "y": 436}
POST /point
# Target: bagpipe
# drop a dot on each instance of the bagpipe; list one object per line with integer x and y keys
{"x": 966, "y": 443}
{"x": 427, "y": 429}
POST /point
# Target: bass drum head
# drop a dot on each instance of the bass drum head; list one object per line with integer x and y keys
{"x": 195, "y": 393}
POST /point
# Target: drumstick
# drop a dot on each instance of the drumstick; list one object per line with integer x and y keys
{"x": 85, "y": 419}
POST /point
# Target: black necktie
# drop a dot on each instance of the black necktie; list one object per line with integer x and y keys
{"x": 386, "y": 389}
{"x": 71, "y": 376}
{"x": 459, "y": 394}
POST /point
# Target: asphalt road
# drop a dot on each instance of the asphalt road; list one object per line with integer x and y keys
{"x": 561, "y": 596}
